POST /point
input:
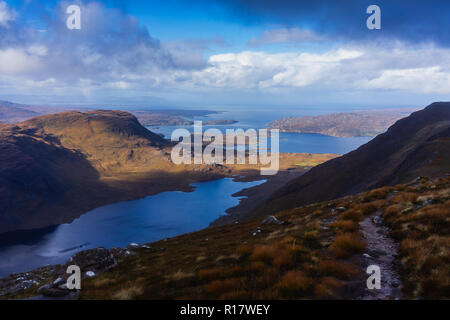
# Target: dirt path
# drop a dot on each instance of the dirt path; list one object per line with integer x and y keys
{"x": 381, "y": 251}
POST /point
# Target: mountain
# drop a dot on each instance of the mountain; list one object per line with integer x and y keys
{"x": 418, "y": 145}
{"x": 14, "y": 112}
{"x": 55, "y": 167}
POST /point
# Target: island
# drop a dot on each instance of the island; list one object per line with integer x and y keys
{"x": 345, "y": 124}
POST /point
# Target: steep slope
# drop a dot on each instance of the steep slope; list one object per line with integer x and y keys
{"x": 36, "y": 172}
{"x": 418, "y": 145}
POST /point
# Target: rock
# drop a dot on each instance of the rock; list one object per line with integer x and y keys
{"x": 256, "y": 231}
{"x": 395, "y": 283}
{"x": 54, "y": 292}
{"x": 44, "y": 287}
{"x": 63, "y": 286}
{"x": 271, "y": 220}
{"x": 90, "y": 274}
{"x": 58, "y": 281}
{"x": 99, "y": 259}
{"x": 377, "y": 220}
{"x": 377, "y": 252}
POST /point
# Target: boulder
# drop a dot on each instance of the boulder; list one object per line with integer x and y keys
{"x": 271, "y": 220}
{"x": 99, "y": 259}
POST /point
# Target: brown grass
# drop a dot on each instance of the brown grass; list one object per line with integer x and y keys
{"x": 128, "y": 293}
{"x": 346, "y": 245}
{"x": 219, "y": 287}
{"x": 345, "y": 225}
{"x": 338, "y": 269}
{"x": 294, "y": 284}
{"x": 328, "y": 288}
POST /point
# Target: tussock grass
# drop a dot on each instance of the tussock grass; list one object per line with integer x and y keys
{"x": 338, "y": 269}
{"x": 128, "y": 293}
{"x": 346, "y": 245}
{"x": 328, "y": 288}
{"x": 294, "y": 284}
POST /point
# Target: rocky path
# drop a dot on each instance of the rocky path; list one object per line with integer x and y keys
{"x": 381, "y": 251}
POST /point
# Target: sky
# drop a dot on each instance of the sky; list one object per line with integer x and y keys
{"x": 237, "y": 53}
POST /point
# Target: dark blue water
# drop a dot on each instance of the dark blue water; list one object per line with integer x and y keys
{"x": 140, "y": 221}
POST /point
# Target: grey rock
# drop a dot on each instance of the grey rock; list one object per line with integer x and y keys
{"x": 271, "y": 220}
{"x": 377, "y": 220}
{"x": 99, "y": 259}
{"x": 395, "y": 283}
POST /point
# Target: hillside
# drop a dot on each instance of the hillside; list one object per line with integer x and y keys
{"x": 418, "y": 145}
{"x": 55, "y": 167}
{"x": 52, "y": 168}
{"x": 318, "y": 251}
{"x": 345, "y": 124}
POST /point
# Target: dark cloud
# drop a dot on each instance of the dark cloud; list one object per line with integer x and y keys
{"x": 408, "y": 20}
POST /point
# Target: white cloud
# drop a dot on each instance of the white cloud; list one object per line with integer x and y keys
{"x": 113, "y": 51}
{"x": 17, "y": 61}
{"x": 262, "y": 70}
{"x": 6, "y": 14}
{"x": 426, "y": 80}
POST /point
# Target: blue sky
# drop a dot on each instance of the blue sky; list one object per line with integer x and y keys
{"x": 201, "y": 53}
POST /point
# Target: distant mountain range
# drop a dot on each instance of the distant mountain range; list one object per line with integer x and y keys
{"x": 418, "y": 145}
{"x": 345, "y": 124}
